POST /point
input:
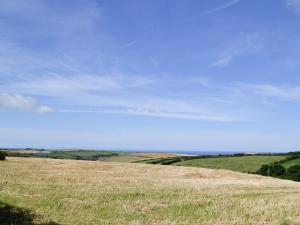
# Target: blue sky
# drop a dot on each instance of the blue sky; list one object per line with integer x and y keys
{"x": 150, "y": 75}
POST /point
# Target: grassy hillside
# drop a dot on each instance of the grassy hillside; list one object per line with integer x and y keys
{"x": 92, "y": 155}
{"x": 124, "y": 158}
{"x": 293, "y": 162}
{"x": 49, "y": 191}
{"x": 237, "y": 163}
{"x": 138, "y": 156}
{"x": 61, "y": 154}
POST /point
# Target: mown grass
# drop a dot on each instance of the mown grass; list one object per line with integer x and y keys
{"x": 83, "y": 192}
{"x": 236, "y": 163}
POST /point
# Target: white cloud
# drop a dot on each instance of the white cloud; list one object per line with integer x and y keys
{"x": 44, "y": 109}
{"x": 86, "y": 76}
{"x": 121, "y": 94}
{"x": 224, "y": 61}
{"x": 20, "y": 102}
{"x": 153, "y": 97}
{"x": 293, "y": 5}
{"x": 222, "y": 7}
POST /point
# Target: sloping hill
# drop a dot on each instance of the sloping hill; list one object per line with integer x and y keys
{"x": 236, "y": 163}
{"x": 48, "y": 191}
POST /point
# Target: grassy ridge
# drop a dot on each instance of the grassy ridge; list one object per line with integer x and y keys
{"x": 88, "y": 155}
{"x": 78, "y": 154}
{"x": 293, "y": 162}
{"x": 138, "y": 156}
{"x": 124, "y": 158}
{"x": 238, "y": 163}
{"x": 71, "y": 192}
{"x": 284, "y": 166}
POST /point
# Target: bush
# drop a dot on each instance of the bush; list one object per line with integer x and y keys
{"x": 2, "y": 155}
{"x": 264, "y": 170}
{"x": 293, "y": 173}
{"x": 277, "y": 170}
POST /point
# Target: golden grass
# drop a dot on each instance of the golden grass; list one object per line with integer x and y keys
{"x": 83, "y": 192}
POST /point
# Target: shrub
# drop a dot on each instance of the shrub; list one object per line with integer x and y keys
{"x": 264, "y": 170}
{"x": 277, "y": 170}
{"x": 293, "y": 173}
{"x": 2, "y": 155}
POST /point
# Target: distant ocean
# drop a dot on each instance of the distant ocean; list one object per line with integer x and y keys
{"x": 183, "y": 152}
{"x": 186, "y": 152}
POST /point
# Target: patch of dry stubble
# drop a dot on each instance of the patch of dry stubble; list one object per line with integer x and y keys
{"x": 83, "y": 192}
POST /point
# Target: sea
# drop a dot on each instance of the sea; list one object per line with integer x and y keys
{"x": 188, "y": 152}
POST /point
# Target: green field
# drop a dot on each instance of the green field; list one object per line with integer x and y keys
{"x": 91, "y": 155}
{"x": 138, "y": 156}
{"x": 236, "y": 163}
{"x": 124, "y": 158}
{"x": 81, "y": 154}
{"x": 290, "y": 163}
{"x": 37, "y": 191}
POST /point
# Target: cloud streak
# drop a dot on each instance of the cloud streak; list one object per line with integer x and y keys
{"x": 287, "y": 93}
{"x": 120, "y": 94}
{"x": 222, "y": 7}
{"x": 224, "y": 61}
{"x": 163, "y": 114}
{"x": 246, "y": 44}
{"x": 135, "y": 95}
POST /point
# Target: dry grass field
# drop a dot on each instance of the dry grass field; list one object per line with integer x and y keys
{"x": 84, "y": 192}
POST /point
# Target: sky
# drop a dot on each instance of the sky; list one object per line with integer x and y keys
{"x": 209, "y": 75}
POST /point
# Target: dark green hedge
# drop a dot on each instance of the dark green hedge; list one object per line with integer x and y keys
{"x": 2, "y": 155}
{"x": 279, "y": 171}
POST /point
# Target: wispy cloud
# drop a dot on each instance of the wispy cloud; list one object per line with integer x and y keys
{"x": 164, "y": 114}
{"x": 50, "y": 34}
{"x": 123, "y": 94}
{"x": 222, "y": 7}
{"x": 120, "y": 94}
{"x": 293, "y": 5}
{"x": 285, "y": 92}
{"x": 20, "y": 102}
{"x": 56, "y": 83}
{"x": 72, "y": 69}
{"x": 246, "y": 43}
{"x": 135, "y": 95}
{"x": 64, "y": 59}
{"x": 224, "y": 61}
